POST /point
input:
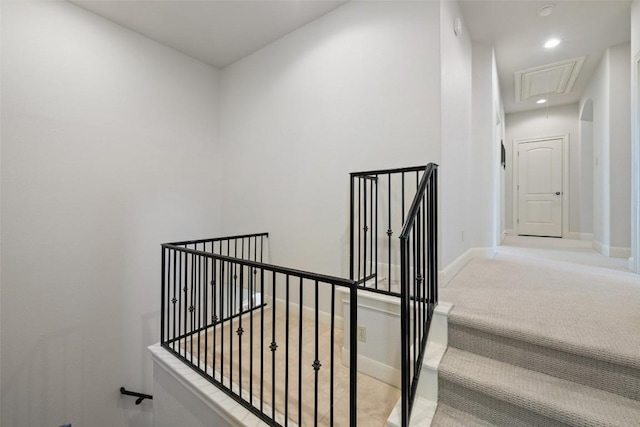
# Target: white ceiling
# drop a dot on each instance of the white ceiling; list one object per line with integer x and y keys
{"x": 217, "y": 32}
{"x": 518, "y": 34}
{"x": 220, "y": 32}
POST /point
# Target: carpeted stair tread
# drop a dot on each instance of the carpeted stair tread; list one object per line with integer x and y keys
{"x": 588, "y": 311}
{"x": 446, "y": 416}
{"x": 554, "y": 398}
{"x": 595, "y": 373}
{"x": 500, "y": 413}
{"x": 490, "y": 323}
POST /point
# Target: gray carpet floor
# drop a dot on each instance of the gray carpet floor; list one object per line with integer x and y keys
{"x": 546, "y": 333}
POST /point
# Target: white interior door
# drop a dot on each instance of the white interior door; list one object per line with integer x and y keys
{"x": 540, "y": 188}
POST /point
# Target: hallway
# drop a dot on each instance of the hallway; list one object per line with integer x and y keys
{"x": 569, "y": 250}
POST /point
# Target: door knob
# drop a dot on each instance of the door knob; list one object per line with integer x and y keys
{"x": 557, "y": 193}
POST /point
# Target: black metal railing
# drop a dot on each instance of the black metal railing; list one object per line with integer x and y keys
{"x": 419, "y": 283}
{"x": 383, "y": 201}
{"x": 243, "y": 323}
{"x": 380, "y": 200}
{"x": 229, "y": 299}
{"x": 140, "y": 396}
{"x": 257, "y": 331}
{"x": 251, "y": 247}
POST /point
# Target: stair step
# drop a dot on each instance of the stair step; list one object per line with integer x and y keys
{"x": 590, "y": 371}
{"x": 446, "y": 416}
{"x": 505, "y": 394}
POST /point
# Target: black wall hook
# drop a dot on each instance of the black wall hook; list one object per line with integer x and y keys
{"x": 140, "y": 396}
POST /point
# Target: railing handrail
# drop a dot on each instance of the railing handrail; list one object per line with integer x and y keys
{"x": 418, "y": 271}
{"x": 197, "y": 282}
{"x": 388, "y": 171}
{"x": 415, "y": 205}
{"x": 218, "y": 239}
{"x": 429, "y": 282}
{"x": 340, "y": 281}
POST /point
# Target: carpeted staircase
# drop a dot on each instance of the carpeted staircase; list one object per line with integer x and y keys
{"x": 498, "y": 371}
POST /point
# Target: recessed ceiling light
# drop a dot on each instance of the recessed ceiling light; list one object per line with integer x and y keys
{"x": 541, "y": 101}
{"x": 552, "y": 43}
{"x": 545, "y": 10}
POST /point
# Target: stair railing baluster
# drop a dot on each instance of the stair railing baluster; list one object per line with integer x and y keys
{"x": 201, "y": 293}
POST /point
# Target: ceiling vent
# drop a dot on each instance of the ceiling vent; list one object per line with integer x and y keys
{"x": 548, "y": 80}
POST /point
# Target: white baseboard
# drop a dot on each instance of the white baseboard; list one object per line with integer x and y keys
{"x": 617, "y": 252}
{"x": 450, "y": 271}
{"x": 509, "y": 232}
{"x": 579, "y": 236}
{"x": 599, "y": 247}
{"x": 373, "y": 368}
{"x": 611, "y": 251}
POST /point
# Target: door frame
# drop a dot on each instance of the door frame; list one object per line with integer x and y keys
{"x": 565, "y": 180}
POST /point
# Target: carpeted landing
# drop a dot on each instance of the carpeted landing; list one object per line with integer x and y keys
{"x": 535, "y": 341}
{"x": 282, "y": 382}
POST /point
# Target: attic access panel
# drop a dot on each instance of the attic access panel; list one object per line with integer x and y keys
{"x": 557, "y": 78}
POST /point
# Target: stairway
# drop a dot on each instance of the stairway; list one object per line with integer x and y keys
{"x": 498, "y": 372}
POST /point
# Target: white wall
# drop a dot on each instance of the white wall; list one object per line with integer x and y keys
{"x": 178, "y": 406}
{"x": 456, "y": 229}
{"x": 586, "y": 168}
{"x": 108, "y": 149}
{"x": 609, "y": 89}
{"x": 1, "y": 68}
{"x": 484, "y": 180}
{"x": 499, "y": 172}
{"x": 598, "y": 92}
{"x": 635, "y": 129}
{"x": 620, "y": 145}
{"x": 539, "y": 123}
{"x": 357, "y": 89}
{"x": 635, "y": 27}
